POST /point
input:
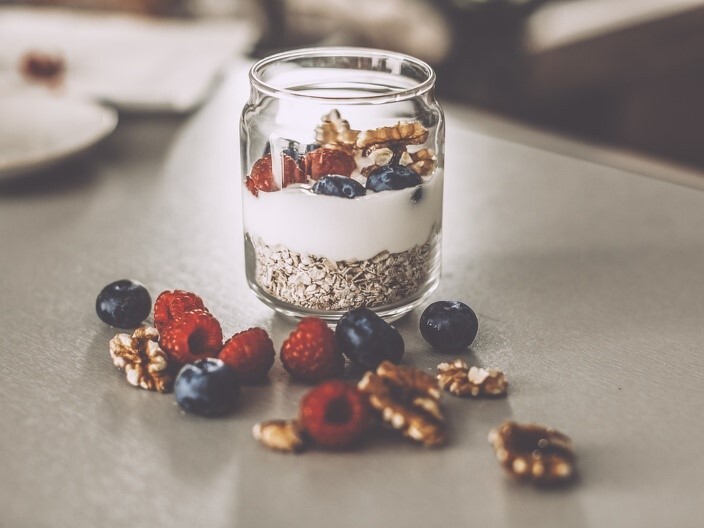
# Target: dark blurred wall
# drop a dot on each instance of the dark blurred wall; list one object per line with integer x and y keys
{"x": 636, "y": 86}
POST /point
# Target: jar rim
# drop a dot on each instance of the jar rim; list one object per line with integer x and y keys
{"x": 392, "y": 95}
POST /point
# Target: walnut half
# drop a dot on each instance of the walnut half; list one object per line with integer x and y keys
{"x": 404, "y": 132}
{"x": 408, "y": 400}
{"x": 335, "y": 132}
{"x": 144, "y": 362}
{"x": 534, "y": 452}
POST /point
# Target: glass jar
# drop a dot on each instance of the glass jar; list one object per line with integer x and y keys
{"x": 342, "y": 181}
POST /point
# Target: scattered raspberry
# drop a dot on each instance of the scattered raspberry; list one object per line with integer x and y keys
{"x": 325, "y": 161}
{"x": 310, "y": 354}
{"x": 251, "y": 353}
{"x": 334, "y": 414}
{"x": 171, "y": 305}
{"x": 193, "y": 336}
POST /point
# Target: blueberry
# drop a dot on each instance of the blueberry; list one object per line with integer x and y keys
{"x": 124, "y": 304}
{"x": 367, "y": 339}
{"x": 341, "y": 186}
{"x": 310, "y": 147}
{"x": 449, "y": 326}
{"x": 392, "y": 178}
{"x": 417, "y": 195}
{"x": 207, "y": 387}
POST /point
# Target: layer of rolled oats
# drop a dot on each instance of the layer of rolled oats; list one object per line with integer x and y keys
{"x": 319, "y": 283}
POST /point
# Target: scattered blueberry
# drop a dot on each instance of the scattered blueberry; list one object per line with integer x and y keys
{"x": 207, "y": 387}
{"x": 417, "y": 195}
{"x": 310, "y": 147}
{"x": 124, "y": 304}
{"x": 367, "y": 339}
{"x": 342, "y": 186}
{"x": 449, "y": 326}
{"x": 392, "y": 178}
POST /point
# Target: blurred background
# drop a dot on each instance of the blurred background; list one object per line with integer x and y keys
{"x": 624, "y": 73}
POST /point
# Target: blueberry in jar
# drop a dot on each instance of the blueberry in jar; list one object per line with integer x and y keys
{"x": 207, "y": 387}
{"x": 449, "y": 326}
{"x": 366, "y": 339}
{"x": 392, "y": 178}
{"x": 124, "y": 304}
{"x": 341, "y": 186}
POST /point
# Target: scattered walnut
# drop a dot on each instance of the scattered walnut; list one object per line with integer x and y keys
{"x": 408, "y": 399}
{"x": 534, "y": 452}
{"x": 335, "y": 132}
{"x": 406, "y": 133}
{"x": 280, "y": 435}
{"x": 460, "y": 380}
{"x": 42, "y": 67}
{"x": 144, "y": 362}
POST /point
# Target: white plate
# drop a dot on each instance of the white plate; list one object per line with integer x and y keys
{"x": 39, "y": 131}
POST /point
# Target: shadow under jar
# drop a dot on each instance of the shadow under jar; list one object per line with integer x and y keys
{"x": 342, "y": 182}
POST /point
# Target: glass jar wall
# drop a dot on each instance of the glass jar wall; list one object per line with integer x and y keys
{"x": 342, "y": 181}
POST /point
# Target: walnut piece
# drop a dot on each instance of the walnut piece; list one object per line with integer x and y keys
{"x": 335, "y": 132}
{"x": 534, "y": 452}
{"x": 406, "y": 133}
{"x": 280, "y": 435}
{"x": 407, "y": 399}
{"x": 380, "y": 154}
{"x": 423, "y": 161}
{"x": 144, "y": 362}
{"x": 460, "y": 380}
{"x": 386, "y": 154}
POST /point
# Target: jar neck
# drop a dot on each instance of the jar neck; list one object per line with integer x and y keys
{"x": 342, "y": 76}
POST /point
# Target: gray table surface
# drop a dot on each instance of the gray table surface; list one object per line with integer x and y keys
{"x": 588, "y": 283}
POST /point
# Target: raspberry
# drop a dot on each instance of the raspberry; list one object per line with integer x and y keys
{"x": 325, "y": 161}
{"x": 310, "y": 354}
{"x": 262, "y": 176}
{"x": 251, "y": 353}
{"x": 171, "y": 305}
{"x": 334, "y": 414}
{"x": 195, "y": 335}
{"x": 294, "y": 171}
{"x": 251, "y": 186}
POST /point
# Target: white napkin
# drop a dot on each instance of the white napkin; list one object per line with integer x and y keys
{"x": 135, "y": 63}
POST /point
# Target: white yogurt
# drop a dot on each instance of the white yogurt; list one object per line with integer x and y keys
{"x": 343, "y": 228}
